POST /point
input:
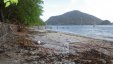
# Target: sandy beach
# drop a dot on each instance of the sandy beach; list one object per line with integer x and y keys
{"x": 67, "y": 42}
{"x": 51, "y": 47}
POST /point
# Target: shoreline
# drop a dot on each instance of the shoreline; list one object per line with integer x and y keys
{"x": 85, "y": 36}
{"x": 60, "y": 40}
{"x": 100, "y": 32}
{"x": 51, "y": 47}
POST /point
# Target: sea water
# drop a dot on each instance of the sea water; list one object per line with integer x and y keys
{"x": 94, "y": 31}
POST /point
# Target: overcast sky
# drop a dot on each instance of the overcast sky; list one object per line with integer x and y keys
{"x": 102, "y": 9}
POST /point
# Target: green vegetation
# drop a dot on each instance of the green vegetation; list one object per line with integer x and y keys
{"x": 8, "y": 2}
{"x": 25, "y": 12}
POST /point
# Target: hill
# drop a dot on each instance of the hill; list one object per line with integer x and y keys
{"x": 105, "y": 22}
{"x": 73, "y": 18}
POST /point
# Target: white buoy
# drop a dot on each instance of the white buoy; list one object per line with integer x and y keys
{"x": 39, "y": 42}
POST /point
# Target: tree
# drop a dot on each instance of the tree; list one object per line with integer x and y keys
{"x": 26, "y": 12}
{"x": 8, "y": 2}
{"x": 29, "y": 11}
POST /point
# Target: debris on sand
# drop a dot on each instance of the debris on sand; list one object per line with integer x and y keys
{"x": 18, "y": 48}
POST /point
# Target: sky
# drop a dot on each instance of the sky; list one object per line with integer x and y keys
{"x": 102, "y": 9}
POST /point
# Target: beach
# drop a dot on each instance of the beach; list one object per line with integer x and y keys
{"x": 59, "y": 40}
{"x": 53, "y": 47}
{"x": 73, "y": 44}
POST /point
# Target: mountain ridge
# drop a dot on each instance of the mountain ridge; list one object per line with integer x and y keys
{"x": 74, "y": 18}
